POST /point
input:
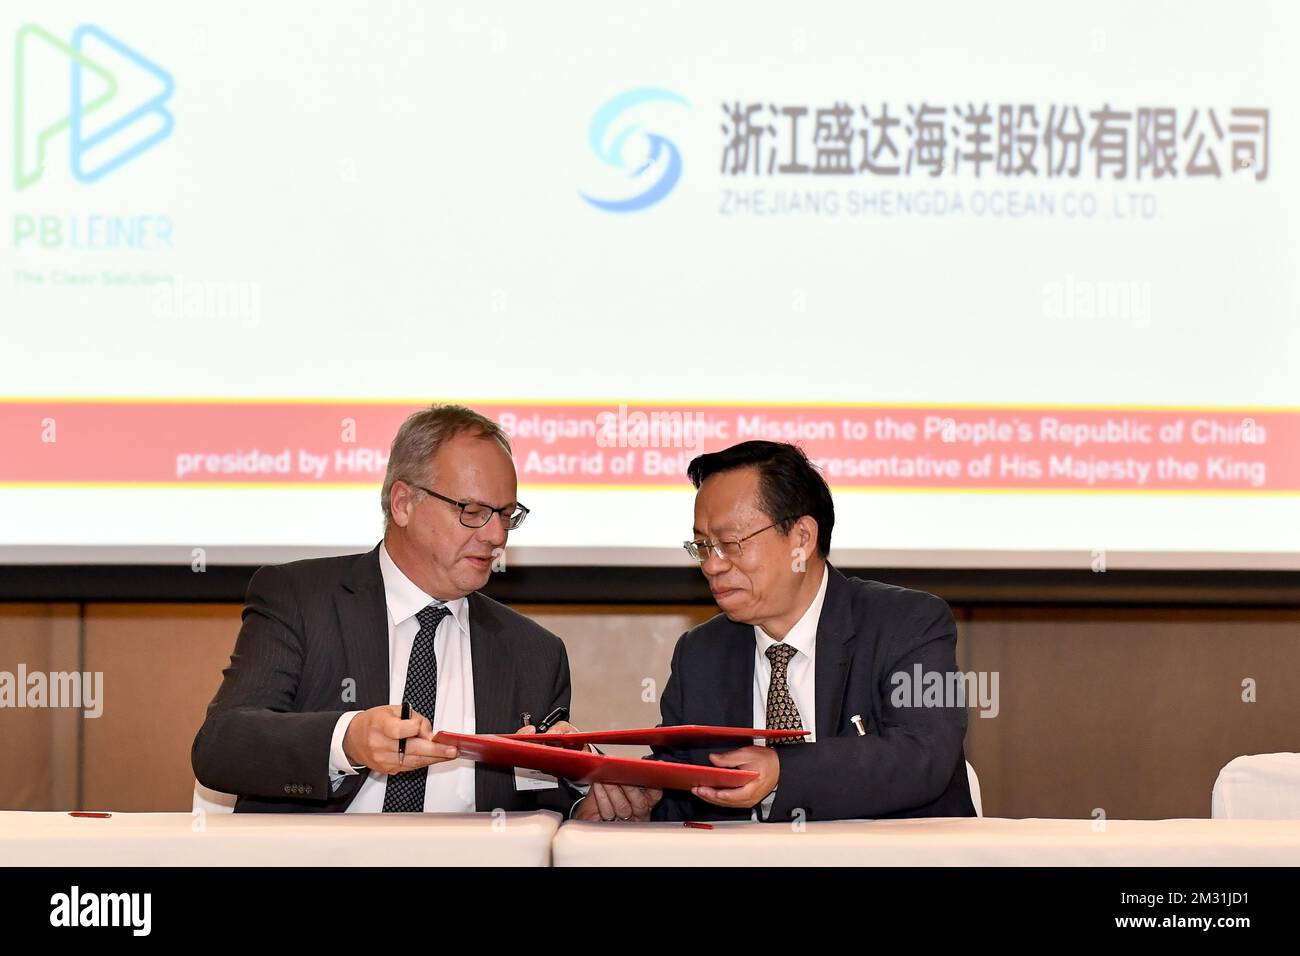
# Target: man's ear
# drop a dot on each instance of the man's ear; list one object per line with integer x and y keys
{"x": 400, "y": 499}
{"x": 806, "y": 534}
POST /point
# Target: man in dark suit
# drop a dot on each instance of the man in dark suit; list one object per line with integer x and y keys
{"x": 800, "y": 646}
{"x": 307, "y": 718}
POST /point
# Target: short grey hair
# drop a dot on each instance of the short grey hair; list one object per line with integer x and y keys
{"x": 410, "y": 458}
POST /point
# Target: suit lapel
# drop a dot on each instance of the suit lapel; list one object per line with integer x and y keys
{"x": 363, "y": 623}
{"x": 493, "y": 694}
{"x": 737, "y": 692}
{"x": 834, "y": 655}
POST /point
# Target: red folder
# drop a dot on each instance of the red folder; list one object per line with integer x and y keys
{"x": 683, "y": 735}
{"x": 579, "y": 766}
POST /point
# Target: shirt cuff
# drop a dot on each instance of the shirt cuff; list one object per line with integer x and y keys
{"x": 340, "y": 767}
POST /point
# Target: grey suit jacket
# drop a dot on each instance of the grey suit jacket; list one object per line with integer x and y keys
{"x": 911, "y": 763}
{"x": 314, "y": 645}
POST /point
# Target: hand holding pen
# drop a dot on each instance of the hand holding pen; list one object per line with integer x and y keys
{"x": 401, "y": 744}
{"x": 392, "y": 738}
{"x": 557, "y": 721}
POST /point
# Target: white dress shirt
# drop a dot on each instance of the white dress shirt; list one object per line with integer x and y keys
{"x": 450, "y": 785}
{"x": 801, "y": 674}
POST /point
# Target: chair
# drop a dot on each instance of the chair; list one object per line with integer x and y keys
{"x": 1258, "y": 787}
{"x": 212, "y": 801}
{"x": 974, "y": 782}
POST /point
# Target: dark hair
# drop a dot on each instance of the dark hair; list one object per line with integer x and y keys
{"x": 789, "y": 485}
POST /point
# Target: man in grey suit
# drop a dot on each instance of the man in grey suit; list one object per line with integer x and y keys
{"x": 799, "y": 645}
{"x": 308, "y": 715}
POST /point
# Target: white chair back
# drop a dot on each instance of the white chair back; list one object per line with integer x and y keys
{"x": 973, "y": 779}
{"x": 1258, "y": 787}
{"x": 212, "y": 801}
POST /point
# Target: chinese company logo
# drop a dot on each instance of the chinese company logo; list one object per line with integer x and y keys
{"x": 113, "y": 105}
{"x": 656, "y": 173}
{"x": 1005, "y": 140}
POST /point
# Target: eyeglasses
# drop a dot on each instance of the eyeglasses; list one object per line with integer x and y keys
{"x": 728, "y": 550}
{"x": 475, "y": 514}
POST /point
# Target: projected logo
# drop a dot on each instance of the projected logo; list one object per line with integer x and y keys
{"x": 112, "y": 102}
{"x": 649, "y": 173}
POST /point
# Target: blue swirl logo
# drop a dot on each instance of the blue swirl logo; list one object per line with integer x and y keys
{"x": 608, "y": 135}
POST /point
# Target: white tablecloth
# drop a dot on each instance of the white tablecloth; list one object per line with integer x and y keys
{"x": 246, "y": 839}
{"x": 943, "y": 841}
{"x": 171, "y": 839}
{"x": 1258, "y": 787}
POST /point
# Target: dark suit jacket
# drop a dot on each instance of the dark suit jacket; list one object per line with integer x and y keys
{"x": 911, "y": 763}
{"x": 312, "y": 630}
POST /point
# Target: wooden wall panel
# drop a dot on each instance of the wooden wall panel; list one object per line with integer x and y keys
{"x": 39, "y": 747}
{"x": 619, "y": 660}
{"x": 161, "y": 664}
{"x": 1133, "y": 711}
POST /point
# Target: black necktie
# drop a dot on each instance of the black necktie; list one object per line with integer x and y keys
{"x": 405, "y": 790}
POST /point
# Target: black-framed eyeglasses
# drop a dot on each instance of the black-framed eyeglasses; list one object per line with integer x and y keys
{"x": 728, "y": 550}
{"x": 475, "y": 514}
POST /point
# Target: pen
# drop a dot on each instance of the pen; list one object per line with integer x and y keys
{"x": 558, "y": 714}
{"x": 401, "y": 744}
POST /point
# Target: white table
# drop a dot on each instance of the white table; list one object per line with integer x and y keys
{"x": 945, "y": 841}
{"x": 274, "y": 839}
{"x": 535, "y": 839}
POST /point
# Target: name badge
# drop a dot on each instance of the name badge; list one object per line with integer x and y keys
{"x": 526, "y": 779}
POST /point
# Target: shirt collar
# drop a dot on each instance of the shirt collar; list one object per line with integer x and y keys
{"x": 803, "y": 636}
{"x": 405, "y": 599}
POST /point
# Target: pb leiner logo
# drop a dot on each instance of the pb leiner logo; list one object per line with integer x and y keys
{"x": 111, "y": 106}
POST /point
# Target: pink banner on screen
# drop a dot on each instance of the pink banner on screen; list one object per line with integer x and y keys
{"x": 1017, "y": 448}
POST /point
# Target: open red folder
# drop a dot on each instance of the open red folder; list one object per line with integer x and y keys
{"x": 579, "y": 766}
{"x": 683, "y": 735}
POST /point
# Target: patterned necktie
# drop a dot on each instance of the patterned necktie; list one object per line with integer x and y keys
{"x": 782, "y": 714}
{"x": 405, "y": 790}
